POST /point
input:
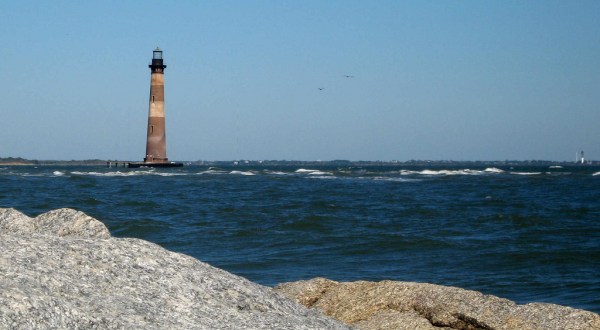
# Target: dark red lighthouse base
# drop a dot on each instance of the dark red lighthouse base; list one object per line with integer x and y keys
{"x": 160, "y": 165}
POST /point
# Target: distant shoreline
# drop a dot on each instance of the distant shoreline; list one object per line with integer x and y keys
{"x": 11, "y": 161}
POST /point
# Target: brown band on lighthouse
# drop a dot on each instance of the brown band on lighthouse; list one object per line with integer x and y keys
{"x": 157, "y": 96}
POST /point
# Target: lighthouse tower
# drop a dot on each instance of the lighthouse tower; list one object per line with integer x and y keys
{"x": 156, "y": 141}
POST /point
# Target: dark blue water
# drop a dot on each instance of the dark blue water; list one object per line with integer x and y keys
{"x": 526, "y": 234}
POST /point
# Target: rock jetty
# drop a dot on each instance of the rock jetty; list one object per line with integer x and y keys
{"x": 63, "y": 270}
{"x": 407, "y": 305}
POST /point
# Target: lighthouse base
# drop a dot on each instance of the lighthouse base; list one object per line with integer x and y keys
{"x": 151, "y": 164}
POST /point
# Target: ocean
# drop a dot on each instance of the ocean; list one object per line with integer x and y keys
{"x": 529, "y": 234}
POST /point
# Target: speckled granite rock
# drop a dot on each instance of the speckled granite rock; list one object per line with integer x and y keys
{"x": 404, "y": 305}
{"x": 61, "y": 222}
{"x": 62, "y": 270}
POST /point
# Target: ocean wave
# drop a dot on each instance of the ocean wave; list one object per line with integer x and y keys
{"x": 559, "y": 173}
{"x": 444, "y": 172}
{"x": 169, "y": 174}
{"x": 116, "y": 173}
{"x": 210, "y": 171}
{"x": 312, "y": 172}
{"x": 127, "y": 173}
{"x": 320, "y": 173}
{"x": 407, "y": 172}
{"x": 276, "y": 173}
{"x": 390, "y": 179}
{"x": 329, "y": 177}
{"x": 487, "y": 171}
{"x": 242, "y": 173}
{"x": 303, "y": 170}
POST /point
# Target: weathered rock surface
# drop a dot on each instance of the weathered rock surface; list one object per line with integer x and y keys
{"x": 405, "y": 305}
{"x": 62, "y": 270}
{"x": 61, "y": 222}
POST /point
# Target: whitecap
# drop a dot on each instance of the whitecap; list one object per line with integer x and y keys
{"x": 58, "y": 173}
{"x": 328, "y": 177}
{"x": 320, "y": 173}
{"x": 430, "y": 172}
{"x": 450, "y": 172}
{"x": 83, "y": 173}
{"x": 117, "y": 173}
{"x": 312, "y": 172}
{"x": 241, "y": 173}
{"x": 526, "y": 173}
{"x": 407, "y": 172}
{"x": 302, "y": 170}
{"x": 442, "y": 172}
{"x": 209, "y": 171}
{"x": 493, "y": 170}
{"x": 391, "y": 179}
{"x": 595, "y": 174}
{"x": 423, "y": 172}
{"x": 168, "y": 174}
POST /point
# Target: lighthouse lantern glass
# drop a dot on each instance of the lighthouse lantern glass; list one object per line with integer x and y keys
{"x": 157, "y": 55}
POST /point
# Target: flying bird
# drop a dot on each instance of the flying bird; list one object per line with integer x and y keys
{"x": 348, "y": 76}
{"x": 321, "y": 88}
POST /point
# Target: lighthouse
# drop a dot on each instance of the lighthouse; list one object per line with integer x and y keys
{"x": 156, "y": 139}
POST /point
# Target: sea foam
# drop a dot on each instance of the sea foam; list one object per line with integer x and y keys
{"x": 212, "y": 171}
{"x": 446, "y": 172}
{"x": 303, "y": 170}
{"x": 312, "y": 172}
{"x": 390, "y": 179}
{"x": 466, "y": 171}
{"x": 241, "y": 173}
{"x": 114, "y": 173}
{"x": 276, "y": 173}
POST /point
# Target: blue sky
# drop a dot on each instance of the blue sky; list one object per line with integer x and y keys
{"x": 458, "y": 80}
